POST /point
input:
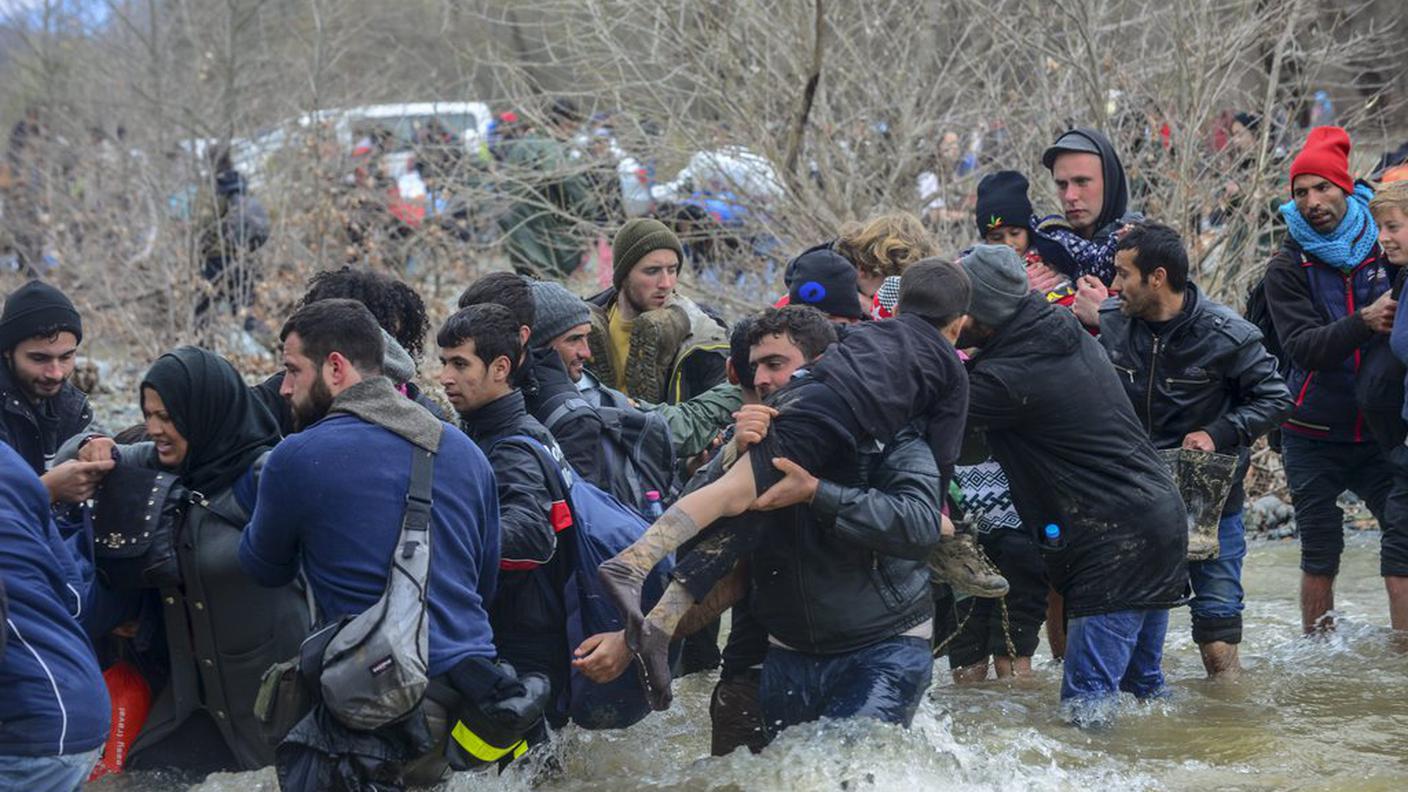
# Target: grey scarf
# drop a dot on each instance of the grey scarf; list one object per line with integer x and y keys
{"x": 375, "y": 400}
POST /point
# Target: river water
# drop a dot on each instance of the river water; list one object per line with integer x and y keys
{"x": 1323, "y": 714}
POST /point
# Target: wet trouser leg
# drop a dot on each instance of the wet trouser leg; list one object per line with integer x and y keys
{"x": 1217, "y": 586}
{"x": 1111, "y": 652}
{"x": 1318, "y": 472}
{"x": 884, "y": 681}
{"x": 735, "y": 717}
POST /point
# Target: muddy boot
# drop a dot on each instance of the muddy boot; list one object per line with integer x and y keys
{"x": 623, "y": 583}
{"x": 1204, "y": 480}
{"x": 1220, "y": 659}
{"x": 654, "y": 658}
{"x": 959, "y": 562}
{"x": 655, "y": 338}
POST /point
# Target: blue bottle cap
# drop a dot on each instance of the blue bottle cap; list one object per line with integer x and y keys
{"x": 1053, "y": 531}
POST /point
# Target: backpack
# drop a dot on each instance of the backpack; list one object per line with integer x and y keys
{"x": 1258, "y": 312}
{"x": 371, "y": 669}
{"x": 636, "y": 449}
{"x": 601, "y": 526}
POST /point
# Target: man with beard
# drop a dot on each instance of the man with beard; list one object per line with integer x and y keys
{"x": 39, "y": 407}
{"x": 332, "y": 497}
{"x": 1199, "y": 378}
{"x": 1105, "y": 510}
{"x": 1329, "y": 290}
{"x": 647, "y": 341}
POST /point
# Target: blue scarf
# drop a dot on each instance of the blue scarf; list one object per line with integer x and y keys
{"x": 1346, "y": 246}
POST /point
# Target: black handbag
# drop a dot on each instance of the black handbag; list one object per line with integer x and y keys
{"x": 136, "y": 516}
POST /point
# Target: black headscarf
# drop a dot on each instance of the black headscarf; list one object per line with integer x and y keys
{"x": 225, "y": 427}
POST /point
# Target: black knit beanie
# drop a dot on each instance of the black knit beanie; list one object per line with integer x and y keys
{"x": 636, "y": 239}
{"x": 1002, "y": 201}
{"x": 37, "y": 309}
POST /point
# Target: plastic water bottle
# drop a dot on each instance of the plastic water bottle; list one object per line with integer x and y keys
{"x": 1051, "y": 538}
{"x": 653, "y": 508}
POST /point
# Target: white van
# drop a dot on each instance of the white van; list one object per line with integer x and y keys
{"x": 468, "y": 121}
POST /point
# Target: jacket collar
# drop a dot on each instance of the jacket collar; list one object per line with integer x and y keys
{"x": 499, "y": 417}
{"x": 376, "y": 401}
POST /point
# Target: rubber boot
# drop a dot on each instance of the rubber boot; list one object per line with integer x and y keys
{"x": 1204, "y": 480}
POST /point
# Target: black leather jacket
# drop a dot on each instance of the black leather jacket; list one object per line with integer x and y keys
{"x": 1207, "y": 370}
{"x": 850, "y": 569}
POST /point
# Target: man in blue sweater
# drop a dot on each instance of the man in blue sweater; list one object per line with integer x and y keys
{"x": 331, "y": 497}
{"x": 54, "y": 714}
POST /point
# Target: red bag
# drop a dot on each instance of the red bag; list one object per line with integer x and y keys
{"x": 131, "y": 699}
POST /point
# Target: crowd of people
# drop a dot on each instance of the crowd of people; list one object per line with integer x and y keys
{"x": 329, "y": 572}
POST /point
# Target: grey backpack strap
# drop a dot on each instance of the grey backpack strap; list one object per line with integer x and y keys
{"x": 416, "y": 519}
{"x": 568, "y": 405}
{"x": 374, "y": 666}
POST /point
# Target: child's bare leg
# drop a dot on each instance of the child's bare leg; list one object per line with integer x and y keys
{"x": 624, "y": 575}
{"x": 675, "y": 616}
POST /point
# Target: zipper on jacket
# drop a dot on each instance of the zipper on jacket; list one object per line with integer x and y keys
{"x": 1149, "y": 403}
{"x": 1349, "y": 303}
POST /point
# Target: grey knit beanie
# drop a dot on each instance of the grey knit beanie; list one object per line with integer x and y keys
{"x": 556, "y": 310}
{"x": 636, "y": 238}
{"x": 397, "y": 364}
{"x": 999, "y": 283}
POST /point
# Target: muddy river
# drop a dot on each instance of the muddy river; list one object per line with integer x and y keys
{"x": 1307, "y": 715}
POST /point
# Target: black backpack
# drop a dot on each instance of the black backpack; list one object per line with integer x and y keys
{"x": 1259, "y": 314}
{"x": 636, "y": 450}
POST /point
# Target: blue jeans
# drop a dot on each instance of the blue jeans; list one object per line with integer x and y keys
{"x": 1217, "y": 586}
{"x": 1109, "y": 653}
{"x": 884, "y": 681}
{"x": 47, "y": 773}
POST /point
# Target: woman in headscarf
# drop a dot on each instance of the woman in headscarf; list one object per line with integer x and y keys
{"x": 221, "y": 630}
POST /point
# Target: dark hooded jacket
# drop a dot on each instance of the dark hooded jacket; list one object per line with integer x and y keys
{"x": 1033, "y": 389}
{"x": 1096, "y": 256}
{"x": 921, "y": 375}
{"x": 222, "y": 630}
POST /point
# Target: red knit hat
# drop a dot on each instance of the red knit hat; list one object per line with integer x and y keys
{"x": 1326, "y": 154}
